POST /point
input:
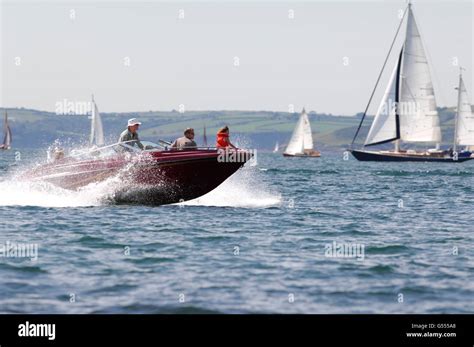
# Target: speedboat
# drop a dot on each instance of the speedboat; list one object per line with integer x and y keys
{"x": 156, "y": 175}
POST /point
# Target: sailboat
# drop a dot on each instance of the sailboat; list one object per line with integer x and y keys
{"x": 301, "y": 142}
{"x": 464, "y": 121}
{"x": 7, "y": 138}
{"x": 97, "y": 130}
{"x": 204, "y": 137}
{"x": 277, "y": 148}
{"x": 407, "y": 111}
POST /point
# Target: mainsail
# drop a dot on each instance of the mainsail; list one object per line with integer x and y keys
{"x": 97, "y": 130}
{"x": 301, "y": 139}
{"x": 464, "y": 132}
{"x": 277, "y": 147}
{"x": 419, "y": 119}
{"x": 7, "y": 139}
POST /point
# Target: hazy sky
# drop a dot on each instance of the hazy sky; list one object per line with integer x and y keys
{"x": 191, "y": 61}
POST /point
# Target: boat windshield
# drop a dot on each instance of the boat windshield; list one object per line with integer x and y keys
{"x": 151, "y": 146}
{"x": 148, "y": 146}
{"x": 114, "y": 149}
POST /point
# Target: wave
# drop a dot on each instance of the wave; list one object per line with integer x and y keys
{"x": 243, "y": 189}
{"x": 44, "y": 194}
{"x": 303, "y": 171}
{"x": 390, "y": 249}
{"x": 382, "y": 269}
{"x": 152, "y": 309}
{"x": 424, "y": 173}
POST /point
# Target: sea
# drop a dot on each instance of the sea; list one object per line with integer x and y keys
{"x": 282, "y": 235}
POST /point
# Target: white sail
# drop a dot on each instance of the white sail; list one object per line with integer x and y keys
{"x": 384, "y": 126}
{"x": 97, "y": 130}
{"x": 465, "y": 120}
{"x": 301, "y": 138}
{"x": 307, "y": 135}
{"x": 277, "y": 148}
{"x": 419, "y": 120}
{"x": 7, "y": 139}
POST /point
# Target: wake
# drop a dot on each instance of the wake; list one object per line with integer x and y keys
{"x": 244, "y": 189}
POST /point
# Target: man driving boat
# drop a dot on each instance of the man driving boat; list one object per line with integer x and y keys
{"x": 131, "y": 134}
{"x": 187, "y": 141}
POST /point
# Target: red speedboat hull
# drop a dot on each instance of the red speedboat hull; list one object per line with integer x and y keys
{"x": 150, "y": 178}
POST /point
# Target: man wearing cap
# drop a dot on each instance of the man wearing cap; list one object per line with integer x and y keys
{"x": 185, "y": 142}
{"x": 130, "y": 134}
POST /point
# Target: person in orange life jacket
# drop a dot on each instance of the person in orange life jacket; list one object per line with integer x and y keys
{"x": 223, "y": 138}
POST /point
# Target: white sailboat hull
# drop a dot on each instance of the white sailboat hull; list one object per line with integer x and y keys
{"x": 306, "y": 154}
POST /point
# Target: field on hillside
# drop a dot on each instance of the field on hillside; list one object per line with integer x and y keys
{"x": 261, "y": 129}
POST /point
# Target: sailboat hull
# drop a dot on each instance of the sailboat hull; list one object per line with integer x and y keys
{"x": 403, "y": 156}
{"x": 309, "y": 154}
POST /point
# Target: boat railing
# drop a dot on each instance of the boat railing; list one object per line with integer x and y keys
{"x": 126, "y": 145}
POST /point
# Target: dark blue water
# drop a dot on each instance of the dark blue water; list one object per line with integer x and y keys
{"x": 256, "y": 244}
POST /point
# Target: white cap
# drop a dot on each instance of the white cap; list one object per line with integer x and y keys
{"x": 133, "y": 121}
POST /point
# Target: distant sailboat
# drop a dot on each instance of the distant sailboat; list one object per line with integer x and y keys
{"x": 97, "y": 130}
{"x": 204, "y": 137}
{"x": 464, "y": 121}
{"x": 301, "y": 142}
{"x": 277, "y": 148}
{"x": 7, "y": 138}
{"x": 407, "y": 111}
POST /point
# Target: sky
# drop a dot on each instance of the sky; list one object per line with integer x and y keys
{"x": 220, "y": 55}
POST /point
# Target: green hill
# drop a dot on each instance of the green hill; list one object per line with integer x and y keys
{"x": 257, "y": 129}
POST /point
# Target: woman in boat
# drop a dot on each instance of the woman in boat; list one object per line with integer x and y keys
{"x": 223, "y": 138}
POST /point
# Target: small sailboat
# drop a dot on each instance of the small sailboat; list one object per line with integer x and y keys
{"x": 464, "y": 121}
{"x": 7, "y": 138}
{"x": 407, "y": 111}
{"x": 301, "y": 142}
{"x": 277, "y": 148}
{"x": 97, "y": 130}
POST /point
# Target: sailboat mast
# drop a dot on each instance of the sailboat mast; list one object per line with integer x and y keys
{"x": 397, "y": 146}
{"x": 456, "y": 119}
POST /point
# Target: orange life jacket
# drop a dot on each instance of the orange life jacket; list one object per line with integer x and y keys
{"x": 222, "y": 140}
